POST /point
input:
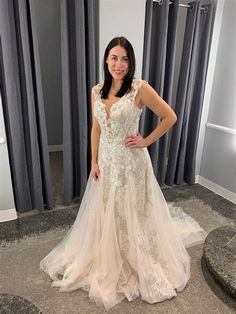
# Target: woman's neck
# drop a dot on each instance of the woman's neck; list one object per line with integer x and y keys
{"x": 116, "y": 84}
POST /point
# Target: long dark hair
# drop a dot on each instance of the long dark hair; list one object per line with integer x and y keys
{"x": 127, "y": 82}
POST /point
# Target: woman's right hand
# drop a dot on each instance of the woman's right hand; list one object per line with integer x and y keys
{"x": 95, "y": 171}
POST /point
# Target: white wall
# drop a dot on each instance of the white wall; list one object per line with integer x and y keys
{"x": 7, "y": 205}
{"x": 209, "y": 83}
{"x": 218, "y": 164}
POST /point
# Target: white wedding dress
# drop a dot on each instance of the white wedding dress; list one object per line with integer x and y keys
{"x": 125, "y": 241}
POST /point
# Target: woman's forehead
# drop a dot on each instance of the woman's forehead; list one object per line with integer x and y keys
{"x": 118, "y": 51}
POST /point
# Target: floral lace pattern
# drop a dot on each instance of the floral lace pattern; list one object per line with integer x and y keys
{"x": 123, "y": 243}
{"x": 115, "y": 160}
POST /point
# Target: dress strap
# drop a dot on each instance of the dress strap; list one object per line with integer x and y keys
{"x": 96, "y": 90}
{"x": 137, "y": 83}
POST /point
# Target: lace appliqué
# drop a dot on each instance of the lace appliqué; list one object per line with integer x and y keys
{"x": 115, "y": 160}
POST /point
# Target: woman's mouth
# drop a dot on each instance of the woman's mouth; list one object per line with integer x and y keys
{"x": 118, "y": 72}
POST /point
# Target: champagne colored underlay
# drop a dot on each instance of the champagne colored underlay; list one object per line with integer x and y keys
{"x": 125, "y": 242}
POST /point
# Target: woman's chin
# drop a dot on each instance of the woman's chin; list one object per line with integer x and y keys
{"x": 118, "y": 77}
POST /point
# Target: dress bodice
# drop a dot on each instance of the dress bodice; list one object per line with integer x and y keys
{"x": 115, "y": 159}
{"x": 123, "y": 117}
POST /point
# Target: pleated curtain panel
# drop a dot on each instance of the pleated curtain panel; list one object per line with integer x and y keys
{"x": 174, "y": 155}
{"x": 79, "y": 31}
{"x": 23, "y": 106}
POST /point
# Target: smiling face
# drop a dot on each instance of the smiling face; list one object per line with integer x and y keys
{"x": 118, "y": 62}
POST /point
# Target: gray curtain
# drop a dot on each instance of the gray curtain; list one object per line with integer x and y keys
{"x": 174, "y": 158}
{"x": 23, "y": 106}
{"x": 79, "y": 31}
{"x": 158, "y": 70}
{"x": 190, "y": 93}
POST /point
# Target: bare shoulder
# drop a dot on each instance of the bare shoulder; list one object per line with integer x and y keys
{"x": 145, "y": 88}
{"x": 148, "y": 95}
{"x": 142, "y": 86}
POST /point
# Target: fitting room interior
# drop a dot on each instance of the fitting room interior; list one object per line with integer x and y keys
{"x": 27, "y": 236}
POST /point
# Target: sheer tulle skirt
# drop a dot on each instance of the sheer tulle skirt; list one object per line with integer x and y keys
{"x": 119, "y": 248}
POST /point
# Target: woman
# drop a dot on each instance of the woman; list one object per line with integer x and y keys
{"x": 123, "y": 242}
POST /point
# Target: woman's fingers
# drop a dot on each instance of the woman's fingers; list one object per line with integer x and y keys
{"x": 135, "y": 140}
{"x": 95, "y": 174}
{"x": 130, "y": 139}
{"x": 132, "y": 144}
{"x": 131, "y": 136}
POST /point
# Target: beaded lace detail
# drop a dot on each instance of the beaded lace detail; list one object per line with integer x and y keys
{"x": 116, "y": 160}
{"x": 123, "y": 243}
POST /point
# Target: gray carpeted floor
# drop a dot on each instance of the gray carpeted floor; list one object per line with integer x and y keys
{"x": 22, "y": 249}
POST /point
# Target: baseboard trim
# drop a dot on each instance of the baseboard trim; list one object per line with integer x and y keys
{"x": 8, "y": 214}
{"x": 55, "y": 148}
{"x": 229, "y": 195}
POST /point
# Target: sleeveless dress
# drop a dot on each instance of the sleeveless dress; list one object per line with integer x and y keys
{"x": 125, "y": 242}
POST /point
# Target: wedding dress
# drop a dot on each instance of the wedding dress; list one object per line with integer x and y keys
{"x": 125, "y": 241}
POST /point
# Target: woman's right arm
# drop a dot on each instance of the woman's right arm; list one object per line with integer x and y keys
{"x": 95, "y": 136}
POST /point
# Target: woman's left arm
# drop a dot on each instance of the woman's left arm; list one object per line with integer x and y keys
{"x": 149, "y": 97}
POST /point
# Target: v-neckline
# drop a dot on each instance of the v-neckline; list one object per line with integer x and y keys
{"x": 114, "y": 103}
{"x": 108, "y": 113}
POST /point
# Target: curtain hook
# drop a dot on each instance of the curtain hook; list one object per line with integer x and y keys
{"x": 160, "y": 2}
{"x": 206, "y": 9}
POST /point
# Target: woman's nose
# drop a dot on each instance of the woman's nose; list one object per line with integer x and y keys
{"x": 119, "y": 62}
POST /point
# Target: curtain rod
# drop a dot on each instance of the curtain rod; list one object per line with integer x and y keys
{"x": 180, "y": 4}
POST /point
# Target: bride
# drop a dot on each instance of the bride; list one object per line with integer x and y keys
{"x": 125, "y": 241}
